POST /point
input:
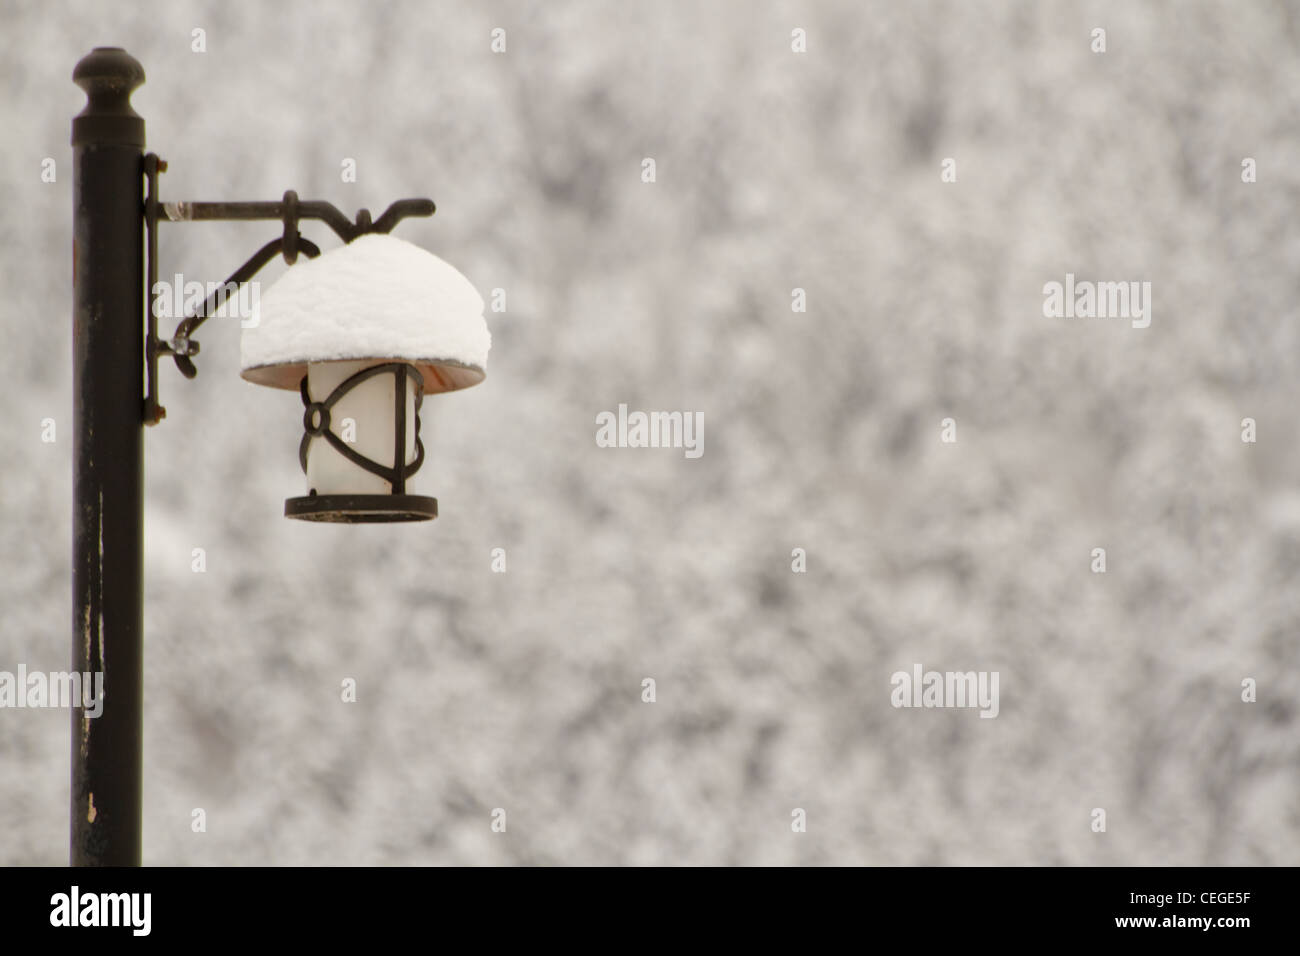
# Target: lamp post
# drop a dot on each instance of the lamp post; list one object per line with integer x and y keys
{"x": 108, "y": 469}
{"x": 424, "y": 334}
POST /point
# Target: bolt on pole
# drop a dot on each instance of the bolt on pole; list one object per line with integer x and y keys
{"x": 107, "y": 400}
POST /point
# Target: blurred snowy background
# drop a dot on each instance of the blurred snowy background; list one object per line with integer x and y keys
{"x": 775, "y": 170}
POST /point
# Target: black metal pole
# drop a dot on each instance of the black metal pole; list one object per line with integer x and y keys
{"x": 108, "y": 371}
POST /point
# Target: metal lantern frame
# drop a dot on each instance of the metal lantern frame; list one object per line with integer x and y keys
{"x": 397, "y": 506}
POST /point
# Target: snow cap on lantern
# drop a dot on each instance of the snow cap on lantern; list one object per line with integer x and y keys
{"x": 378, "y": 297}
{"x": 364, "y": 332}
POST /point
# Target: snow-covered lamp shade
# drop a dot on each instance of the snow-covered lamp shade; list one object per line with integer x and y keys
{"x": 364, "y": 332}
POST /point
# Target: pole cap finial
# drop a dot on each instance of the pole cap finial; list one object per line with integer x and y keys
{"x": 108, "y": 75}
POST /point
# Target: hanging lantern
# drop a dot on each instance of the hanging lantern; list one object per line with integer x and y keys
{"x": 363, "y": 333}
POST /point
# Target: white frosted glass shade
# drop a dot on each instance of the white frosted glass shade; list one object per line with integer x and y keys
{"x": 364, "y": 419}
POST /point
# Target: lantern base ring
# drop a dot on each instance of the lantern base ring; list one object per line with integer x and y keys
{"x": 361, "y": 509}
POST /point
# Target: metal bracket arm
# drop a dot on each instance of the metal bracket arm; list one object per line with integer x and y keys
{"x": 289, "y": 211}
